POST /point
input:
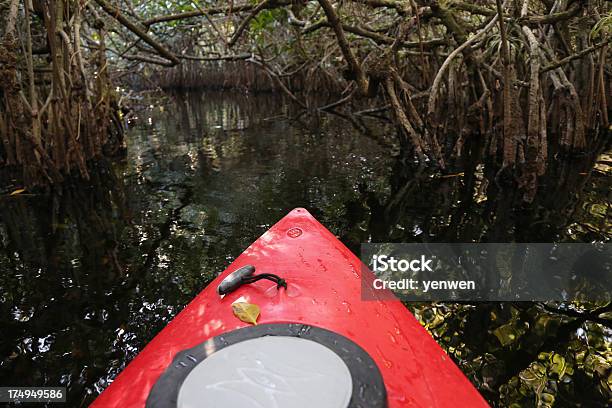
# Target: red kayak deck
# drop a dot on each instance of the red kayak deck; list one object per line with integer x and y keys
{"x": 324, "y": 290}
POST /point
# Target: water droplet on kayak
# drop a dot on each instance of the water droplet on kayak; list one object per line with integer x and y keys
{"x": 334, "y": 291}
{"x": 392, "y": 338}
{"x": 293, "y": 290}
{"x": 314, "y": 301}
{"x": 303, "y": 330}
{"x": 348, "y": 306}
{"x": 271, "y": 292}
{"x": 388, "y": 363}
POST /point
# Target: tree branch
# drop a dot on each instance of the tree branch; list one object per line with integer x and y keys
{"x": 345, "y": 48}
{"x": 573, "y": 57}
{"x": 552, "y": 18}
{"x": 376, "y": 37}
{"x": 213, "y": 11}
{"x": 244, "y": 24}
{"x": 114, "y": 12}
{"x": 431, "y": 104}
{"x": 237, "y": 57}
{"x": 11, "y": 18}
{"x": 590, "y": 315}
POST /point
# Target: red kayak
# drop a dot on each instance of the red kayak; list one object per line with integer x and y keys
{"x": 315, "y": 343}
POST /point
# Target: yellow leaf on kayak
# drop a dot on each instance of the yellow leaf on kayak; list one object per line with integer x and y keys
{"x": 18, "y": 191}
{"x": 247, "y": 312}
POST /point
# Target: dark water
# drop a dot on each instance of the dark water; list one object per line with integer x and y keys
{"x": 93, "y": 270}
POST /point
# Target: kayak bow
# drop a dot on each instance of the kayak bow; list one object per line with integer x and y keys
{"x": 314, "y": 339}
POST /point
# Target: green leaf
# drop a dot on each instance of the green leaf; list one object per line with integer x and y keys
{"x": 507, "y": 334}
{"x": 558, "y": 365}
{"x": 546, "y": 400}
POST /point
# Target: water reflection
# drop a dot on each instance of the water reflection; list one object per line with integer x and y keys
{"x": 92, "y": 270}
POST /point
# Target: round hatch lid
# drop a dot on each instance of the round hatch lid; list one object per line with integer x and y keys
{"x": 271, "y": 371}
{"x": 269, "y": 366}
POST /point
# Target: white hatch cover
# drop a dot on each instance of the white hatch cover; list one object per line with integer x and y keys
{"x": 269, "y": 372}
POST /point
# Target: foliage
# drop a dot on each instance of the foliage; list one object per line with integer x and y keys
{"x": 520, "y": 352}
{"x": 603, "y": 27}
